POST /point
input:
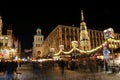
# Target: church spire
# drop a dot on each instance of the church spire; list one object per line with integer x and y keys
{"x": 82, "y": 16}
{"x": 84, "y": 37}
{"x": 82, "y": 24}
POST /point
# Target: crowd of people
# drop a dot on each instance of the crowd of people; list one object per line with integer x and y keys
{"x": 8, "y": 67}
{"x": 82, "y": 64}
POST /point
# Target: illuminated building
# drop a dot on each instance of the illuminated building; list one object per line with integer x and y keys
{"x": 38, "y": 40}
{"x": 88, "y": 39}
{"x": 7, "y": 43}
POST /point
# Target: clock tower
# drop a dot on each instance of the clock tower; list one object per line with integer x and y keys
{"x": 37, "y": 44}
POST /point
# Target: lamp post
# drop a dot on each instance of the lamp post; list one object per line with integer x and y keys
{"x": 12, "y": 53}
{"x": 75, "y": 45}
{"x": 52, "y": 50}
{"x": 112, "y": 46}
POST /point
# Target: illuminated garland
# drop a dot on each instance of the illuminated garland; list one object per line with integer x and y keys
{"x": 83, "y": 51}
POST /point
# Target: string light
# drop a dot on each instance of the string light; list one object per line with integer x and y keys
{"x": 84, "y": 51}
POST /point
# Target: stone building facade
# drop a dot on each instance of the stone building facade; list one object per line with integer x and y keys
{"x": 64, "y": 35}
{"x": 37, "y": 44}
{"x": 87, "y": 39}
{"x": 10, "y": 47}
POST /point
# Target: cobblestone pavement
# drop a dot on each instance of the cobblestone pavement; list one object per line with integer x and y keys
{"x": 55, "y": 74}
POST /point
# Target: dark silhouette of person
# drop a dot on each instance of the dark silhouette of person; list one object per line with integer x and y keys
{"x": 20, "y": 64}
{"x": 2, "y": 65}
{"x": 62, "y": 66}
{"x": 10, "y": 69}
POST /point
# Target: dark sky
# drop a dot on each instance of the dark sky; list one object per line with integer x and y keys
{"x": 26, "y": 18}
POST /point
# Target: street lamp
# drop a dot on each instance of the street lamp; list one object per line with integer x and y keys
{"x": 12, "y": 53}
{"x": 52, "y": 50}
{"x": 74, "y": 45}
{"x": 112, "y": 46}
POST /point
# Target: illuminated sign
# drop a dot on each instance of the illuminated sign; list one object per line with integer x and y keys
{"x": 108, "y": 33}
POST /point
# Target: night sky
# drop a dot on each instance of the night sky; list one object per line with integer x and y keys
{"x": 26, "y": 18}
